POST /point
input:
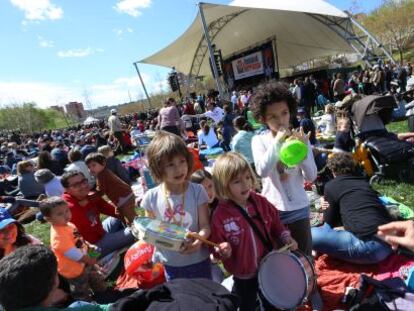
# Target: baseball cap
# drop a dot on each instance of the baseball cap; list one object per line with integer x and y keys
{"x": 113, "y": 111}
{"x": 43, "y": 176}
{"x": 5, "y": 218}
{"x": 301, "y": 110}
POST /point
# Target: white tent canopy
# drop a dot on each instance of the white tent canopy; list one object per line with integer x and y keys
{"x": 300, "y": 29}
{"x": 90, "y": 120}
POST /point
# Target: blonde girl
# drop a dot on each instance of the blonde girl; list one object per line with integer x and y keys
{"x": 179, "y": 201}
{"x": 242, "y": 247}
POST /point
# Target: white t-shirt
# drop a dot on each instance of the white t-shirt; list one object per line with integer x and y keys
{"x": 328, "y": 120}
{"x": 154, "y": 201}
{"x": 287, "y": 195}
{"x": 217, "y": 114}
{"x": 210, "y": 139}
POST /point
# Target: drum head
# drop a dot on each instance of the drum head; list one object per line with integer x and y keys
{"x": 282, "y": 280}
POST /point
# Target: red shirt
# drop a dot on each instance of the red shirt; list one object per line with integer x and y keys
{"x": 87, "y": 218}
{"x": 229, "y": 225}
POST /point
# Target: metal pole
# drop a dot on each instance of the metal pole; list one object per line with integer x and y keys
{"x": 143, "y": 85}
{"x": 369, "y": 35}
{"x": 210, "y": 50}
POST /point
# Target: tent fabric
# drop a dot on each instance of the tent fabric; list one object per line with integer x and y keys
{"x": 90, "y": 120}
{"x": 299, "y": 36}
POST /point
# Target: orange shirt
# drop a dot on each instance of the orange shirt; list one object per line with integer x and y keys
{"x": 62, "y": 239}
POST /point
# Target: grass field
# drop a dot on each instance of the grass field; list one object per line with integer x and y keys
{"x": 401, "y": 192}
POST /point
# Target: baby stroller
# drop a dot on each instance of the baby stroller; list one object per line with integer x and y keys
{"x": 390, "y": 157}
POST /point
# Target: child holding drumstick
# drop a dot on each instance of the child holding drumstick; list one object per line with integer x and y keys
{"x": 239, "y": 205}
{"x": 178, "y": 201}
{"x": 275, "y": 106}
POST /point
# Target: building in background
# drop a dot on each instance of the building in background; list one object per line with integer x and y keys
{"x": 75, "y": 110}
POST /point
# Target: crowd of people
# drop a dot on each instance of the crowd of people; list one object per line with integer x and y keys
{"x": 246, "y": 200}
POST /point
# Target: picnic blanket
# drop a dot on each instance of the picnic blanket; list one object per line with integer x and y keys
{"x": 334, "y": 276}
{"x": 404, "y": 211}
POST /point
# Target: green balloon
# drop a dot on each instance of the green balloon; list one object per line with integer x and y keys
{"x": 293, "y": 152}
{"x": 252, "y": 120}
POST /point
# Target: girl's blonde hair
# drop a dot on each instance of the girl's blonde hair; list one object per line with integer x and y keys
{"x": 164, "y": 147}
{"x": 22, "y": 166}
{"x": 105, "y": 150}
{"x": 226, "y": 168}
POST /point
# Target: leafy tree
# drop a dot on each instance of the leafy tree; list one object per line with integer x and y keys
{"x": 28, "y": 118}
{"x": 393, "y": 23}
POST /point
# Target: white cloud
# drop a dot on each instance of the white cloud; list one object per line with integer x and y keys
{"x": 79, "y": 52}
{"x": 121, "y": 32}
{"x": 118, "y": 32}
{"x": 43, "y": 43}
{"x": 132, "y": 7}
{"x": 36, "y": 10}
{"x": 46, "y": 94}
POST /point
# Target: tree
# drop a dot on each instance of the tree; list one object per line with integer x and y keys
{"x": 393, "y": 23}
{"x": 28, "y": 118}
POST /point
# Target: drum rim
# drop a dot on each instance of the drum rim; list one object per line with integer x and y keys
{"x": 291, "y": 255}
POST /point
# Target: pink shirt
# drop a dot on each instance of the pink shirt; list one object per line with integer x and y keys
{"x": 168, "y": 116}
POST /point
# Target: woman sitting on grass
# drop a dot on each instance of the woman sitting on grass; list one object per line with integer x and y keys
{"x": 349, "y": 201}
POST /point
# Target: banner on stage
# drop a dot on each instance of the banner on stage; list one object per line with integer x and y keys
{"x": 248, "y": 66}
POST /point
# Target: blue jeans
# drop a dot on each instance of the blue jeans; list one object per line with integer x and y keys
{"x": 344, "y": 245}
{"x": 116, "y": 237}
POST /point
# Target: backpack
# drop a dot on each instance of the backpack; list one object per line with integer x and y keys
{"x": 387, "y": 295}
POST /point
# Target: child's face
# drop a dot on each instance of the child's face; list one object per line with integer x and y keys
{"x": 8, "y": 235}
{"x": 240, "y": 187}
{"x": 277, "y": 116}
{"x": 208, "y": 185}
{"x": 176, "y": 170}
{"x": 60, "y": 215}
{"x": 343, "y": 127}
{"x": 95, "y": 168}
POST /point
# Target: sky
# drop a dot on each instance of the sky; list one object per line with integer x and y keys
{"x": 56, "y": 51}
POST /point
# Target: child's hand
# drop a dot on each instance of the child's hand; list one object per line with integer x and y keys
{"x": 282, "y": 134}
{"x": 117, "y": 211}
{"x": 324, "y": 204}
{"x": 294, "y": 244}
{"x": 89, "y": 260}
{"x": 191, "y": 247}
{"x": 300, "y": 134}
{"x": 224, "y": 250}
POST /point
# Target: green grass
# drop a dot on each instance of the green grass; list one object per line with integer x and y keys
{"x": 39, "y": 230}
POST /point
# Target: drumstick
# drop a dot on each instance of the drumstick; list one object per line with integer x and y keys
{"x": 328, "y": 150}
{"x": 322, "y": 149}
{"x": 285, "y": 248}
{"x": 199, "y": 237}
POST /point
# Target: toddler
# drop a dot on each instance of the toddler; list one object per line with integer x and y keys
{"x": 71, "y": 250}
{"x": 113, "y": 187}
